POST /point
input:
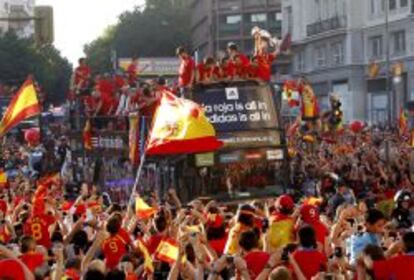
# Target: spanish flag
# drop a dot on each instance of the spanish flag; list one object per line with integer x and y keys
{"x": 24, "y": 105}
{"x": 402, "y": 123}
{"x": 167, "y": 251}
{"x": 310, "y": 107}
{"x": 180, "y": 127}
{"x": 3, "y": 179}
{"x": 142, "y": 209}
{"x": 87, "y": 136}
{"x": 134, "y": 151}
{"x": 148, "y": 265}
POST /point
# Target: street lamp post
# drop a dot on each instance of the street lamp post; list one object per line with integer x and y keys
{"x": 387, "y": 54}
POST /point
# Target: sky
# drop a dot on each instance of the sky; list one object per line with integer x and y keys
{"x": 78, "y": 22}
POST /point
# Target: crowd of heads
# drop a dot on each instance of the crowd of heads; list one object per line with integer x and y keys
{"x": 348, "y": 214}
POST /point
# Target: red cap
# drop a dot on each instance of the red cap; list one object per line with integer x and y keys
{"x": 285, "y": 201}
{"x": 309, "y": 213}
{"x": 11, "y": 269}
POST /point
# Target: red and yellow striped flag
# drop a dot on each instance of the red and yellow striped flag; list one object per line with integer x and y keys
{"x": 148, "y": 264}
{"x": 23, "y": 105}
{"x": 180, "y": 127}
{"x": 142, "y": 209}
{"x": 87, "y": 136}
{"x": 402, "y": 122}
{"x": 3, "y": 179}
{"x": 167, "y": 251}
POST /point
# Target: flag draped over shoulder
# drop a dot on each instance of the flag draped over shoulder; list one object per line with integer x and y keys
{"x": 402, "y": 123}
{"x": 180, "y": 127}
{"x": 23, "y": 105}
{"x": 142, "y": 209}
{"x": 87, "y": 136}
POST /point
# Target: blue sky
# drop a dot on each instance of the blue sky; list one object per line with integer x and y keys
{"x": 80, "y": 21}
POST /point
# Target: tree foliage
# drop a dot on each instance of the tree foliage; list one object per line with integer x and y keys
{"x": 154, "y": 31}
{"x": 21, "y": 58}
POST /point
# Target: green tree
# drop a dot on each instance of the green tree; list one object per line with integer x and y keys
{"x": 154, "y": 31}
{"x": 21, "y": 58}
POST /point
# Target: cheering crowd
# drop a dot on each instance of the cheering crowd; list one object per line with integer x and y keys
{"x": 348, "y": 217}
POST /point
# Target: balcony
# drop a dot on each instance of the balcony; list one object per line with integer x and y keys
{"x": 226, "y": 30}
{"x": 330, "y": 24}
{"x": 255, "y": 3}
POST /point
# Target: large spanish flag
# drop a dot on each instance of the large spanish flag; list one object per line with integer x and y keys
{"x": 180, "y": 127}
{"x": 24, "y": 105}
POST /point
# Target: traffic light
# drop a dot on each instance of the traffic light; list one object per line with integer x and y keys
{"x": 337, "y": 114}
{"x": 44, "y": 29}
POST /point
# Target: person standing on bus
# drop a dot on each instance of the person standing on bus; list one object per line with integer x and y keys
{"x": 186, "y": 72}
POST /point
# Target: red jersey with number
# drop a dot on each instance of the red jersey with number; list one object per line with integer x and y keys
{"x": 114, "y": 248}
{"x": 186, "y": 72}
{"x": 264, "y": 69}
{"x": 38, "y": 227}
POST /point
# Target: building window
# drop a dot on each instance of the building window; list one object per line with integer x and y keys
{"x": 233, "y": 19}
{"x": 337, "y": 53}
{"x": 392, "y": 4}
{"x": 278, "y": 16}
{"x": 372, "y": 7}
{"x": 320, "y": 56}
{"x": 300, "y": 61}
{"x": 398, "y": 41}
{"x": 376, "y": 46}
{"x": 258, "y": 18}
{"x": 289, "y": 14}
{"x": 403, "y": 3}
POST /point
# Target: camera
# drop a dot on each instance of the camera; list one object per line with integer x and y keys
{"x": 338, "y": 252}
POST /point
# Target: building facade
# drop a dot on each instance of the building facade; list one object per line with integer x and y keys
{"x": 336, "y": 41}
{"x": 12, "y": 12}
{"x": 215, "y": 23}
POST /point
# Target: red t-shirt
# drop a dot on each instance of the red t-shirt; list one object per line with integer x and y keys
{"x": 321, "y": 231}
{"x": 114, "y": 248}
{"x": 32, "y": 260}
{"x": 153, "y": 242}
{"x": 38, "y": 227}
{"x": 400, "y": 267}
{"x": 185, "y": 72}
{"x": 3, "y": 206}
{"x": 218, "y": 245}
{"x": 228, "y": 70}
{"x": 256, "y": 262}
{"x": 11, "y": 269}
{"x": 132, "y": 73}
{"x": 242, "y": 66}
{"x": 82, "y": 74}
{"x": 105, "y": 86}
{"x": 264, "y": 63}
{"x": 107, "y": 103}
{"x": 311, "y": 262}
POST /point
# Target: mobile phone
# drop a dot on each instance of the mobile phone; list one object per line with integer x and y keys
{"x": 338, "y": 252}
{"x": 230, "y": 259}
